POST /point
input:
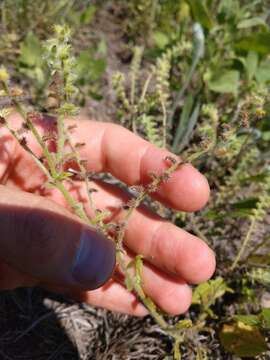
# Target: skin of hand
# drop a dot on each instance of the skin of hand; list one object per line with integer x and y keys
{"x": 43, "y": 244}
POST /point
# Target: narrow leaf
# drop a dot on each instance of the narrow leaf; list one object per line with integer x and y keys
{"x": 200, "y": 13}
{"x": 225, "y": 82}
{"x": 258, "y": 42}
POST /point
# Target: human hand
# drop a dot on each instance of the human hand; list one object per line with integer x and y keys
{"x": 43, "y": 244}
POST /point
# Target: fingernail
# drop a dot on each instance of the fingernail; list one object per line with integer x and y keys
{"x": 94, "y": 261}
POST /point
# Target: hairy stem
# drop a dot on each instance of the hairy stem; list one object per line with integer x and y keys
{"x": 164, "y": 125}
{"x": 84, "y": 175}
{"x": 33, "y": 129}
{"x": 61, "y": 137}
{"x": 244, "y": 243}
{"x": 78, "y": 210}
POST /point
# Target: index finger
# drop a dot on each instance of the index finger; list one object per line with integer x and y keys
{"x": 114, "y": 149}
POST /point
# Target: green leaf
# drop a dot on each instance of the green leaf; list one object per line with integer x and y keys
{"x": 262, "y": 320}
{"x": 245, "y": 204}
{"x": 242, "y": 340}
{"x": 266, "y": 135}
{"x": 161, "y": 39}
{"x": 248, "y": 319}
{"x": 265, "y": 316}
{"x": 88, "y": 14}
{"x": 262, "y": 74}
{"x": 260, "y": 177}
{"x": 88, "y": 68}
{"x": 200, "y": 13}
{"x": 213, "y": 215}
{"x": 183, "y": 324}
{"x": 225, "y": 81}
{"x": 207, "y": 293}
{"x": 31, "y": 52}
{"x": 186, "y": 124}
{"x": 251, "y": 22}
{"x": 251, "y": 64}
{"x": 258, "y": 42}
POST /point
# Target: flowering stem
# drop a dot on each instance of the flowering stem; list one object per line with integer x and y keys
{"x": 61, "y": 136}
{"x": 78, "y": 210}
{"x": 33, "y": 129}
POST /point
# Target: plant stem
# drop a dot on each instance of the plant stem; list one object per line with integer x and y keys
{"x": 197, "y": 229}
{"x": 33, "y": 129}
{"x": 139, "y": 291}
{"x": 34, "y": 157}
{"x": 61, "y": 137}
{"x": 146, "y": 87}
{"x": 78, "y": 210}
{"x": 164, "y": 124}
{"x": 85, "y": 176}
{"x": 244, "y": 244}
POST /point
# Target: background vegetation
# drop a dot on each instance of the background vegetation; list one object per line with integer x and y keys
{"x": 192, "y": 76}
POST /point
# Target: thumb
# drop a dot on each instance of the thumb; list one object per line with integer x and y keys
{"x": 43, "y": 240}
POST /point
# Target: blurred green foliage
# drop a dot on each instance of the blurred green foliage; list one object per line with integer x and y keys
{"x": 26, "y": 24}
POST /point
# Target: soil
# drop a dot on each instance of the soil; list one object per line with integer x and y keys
{"x": 37, "y": 325}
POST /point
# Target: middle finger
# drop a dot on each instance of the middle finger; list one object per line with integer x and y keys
{"x": 162, "y": 244}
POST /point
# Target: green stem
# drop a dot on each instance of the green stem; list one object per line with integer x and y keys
{"x": 244, "y": 244}
{"x": 139, "y": 291}
{"x": 61, "y": 137}
{"x": 33, "y": 129}
{"x": 78, "y": 210}
{"x": 164, "y": 124}
{"x": 171, "y": 330}
{"x": 145, "y": 87}
{"x": 85, "y": 176}
{"x": 34, "y": 157}
{"x": 197, "y": 229}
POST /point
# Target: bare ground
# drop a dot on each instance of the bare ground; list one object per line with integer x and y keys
{"x": 37, "y": 325}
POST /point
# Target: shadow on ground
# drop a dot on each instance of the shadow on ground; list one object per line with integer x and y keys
{"x": 38, "y": 325}
{"x": 30, "y": 329}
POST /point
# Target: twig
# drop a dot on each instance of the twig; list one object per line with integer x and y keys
{"x": 244, "y": 244}
{"x": 33, "y": 325}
